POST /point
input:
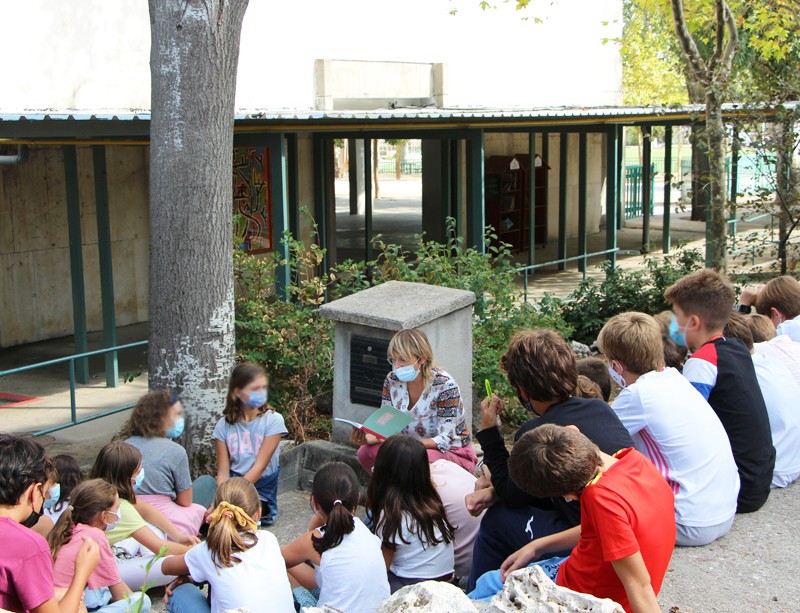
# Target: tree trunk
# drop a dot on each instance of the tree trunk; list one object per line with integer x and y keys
{"x": 398, "y": 161}
{"x": 193, "y": 62}
{"x": 715, "y": 133}
{"x": 700, "y": 161}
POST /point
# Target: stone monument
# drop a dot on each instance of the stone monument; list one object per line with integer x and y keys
{"x": 366, "y": 321}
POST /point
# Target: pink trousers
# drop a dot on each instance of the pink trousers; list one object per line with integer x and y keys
{"x": 463, "y": 456}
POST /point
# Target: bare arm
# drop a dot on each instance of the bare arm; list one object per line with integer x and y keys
{"x": 268, "y": 447}
{"x": 149, "y": 539}
{"x": 184, "y": 498}
{"x": 388, "y": 555}
{"x": 223, "y": 462}
{"x": 300, "y": 550}
{"x": 538, "y": 547}
{"x": 174, "y": 565}
{"x": 119, "y": 591}
{"x": 71, "y": 602}
{"x": 633, "y": 574}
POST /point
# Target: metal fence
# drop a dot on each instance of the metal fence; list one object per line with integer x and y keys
{"x": 633, "y": 190}
{"x": 406, "y": 168}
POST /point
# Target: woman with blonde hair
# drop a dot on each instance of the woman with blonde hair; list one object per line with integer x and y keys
{"x": 416, "y": 385}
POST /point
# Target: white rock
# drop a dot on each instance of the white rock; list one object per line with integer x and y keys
{"x": 428, "y": 597}
{"x": 323, "y": 609}
{"x": 530, "y": 589}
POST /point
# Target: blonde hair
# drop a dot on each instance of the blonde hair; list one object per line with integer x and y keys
{"x": 232, "y": 528}
{"x": 587, "y": 388}
{"x": 761, "y": 328}
{"x": 635, "y": 340}
{"x": 413, "y": 344}
{"x": 87, "y": 500}
{"x": 781, "y": 293}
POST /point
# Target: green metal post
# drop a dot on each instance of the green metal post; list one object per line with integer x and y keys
{"x": 531, "y": 203}
{"x": 735, "y": 146}
{"x": 562, "y": 201}
{"x": 620, "y": 164}
{"x": 280, "y": 209}
{"x": 106, "y": 269}
{"x": 368, "y": 199}
{"x": 475, "y": 191}
{"x": 666, "y": 240}
{"x": 612, "y": 191}
{"x": 647, "y": 193}
{"x": 582, "y": 201}
{"x": 320, "y": 197}
{"x": 293, "y": 182}
{"x": 76, "y": 260}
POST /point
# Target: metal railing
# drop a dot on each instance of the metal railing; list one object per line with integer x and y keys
{"x": 74, "y": 421}
{"x": 528, "y": 269}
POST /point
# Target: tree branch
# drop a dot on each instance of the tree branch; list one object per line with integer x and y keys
{"x": 732, "y": 45}
{"x": 689, "y": 48}
{"x": 719, "y": 39}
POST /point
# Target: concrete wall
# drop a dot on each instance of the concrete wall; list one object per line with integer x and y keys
{"x": 511, "y": 143}
{"x": 34, "y": 242}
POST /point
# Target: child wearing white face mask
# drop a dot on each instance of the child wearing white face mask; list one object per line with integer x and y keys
{"x": 248, "y": 435}
{"x": 93, "y": 509}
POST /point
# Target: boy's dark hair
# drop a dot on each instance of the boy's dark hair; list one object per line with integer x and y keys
{"x": 335, "y": 490}
{"x": 596, "y": 369}
{"x": 23, "y": 461}
{"x": 761, "y": 328}
{"x": 553, "y": 460}
{"x": 542, "y": 364}
{"x": 116, "y": 464}
{"x": 401, "y": 484}
{"x": 782, "y": 293}
{"x": 674, "y": 354}
{"x": 69, "y": 476}
{"x": 705, "y": 293}
{"x": 241, "y": 376}
{"x": 737, "y": 327}
{"x": 587, "y": 388}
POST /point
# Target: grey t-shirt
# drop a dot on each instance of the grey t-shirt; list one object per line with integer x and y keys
{"x": 166, "y": 465}
{"x": 244, "y": 440}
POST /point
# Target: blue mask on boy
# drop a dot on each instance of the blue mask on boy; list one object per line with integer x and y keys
{"x": 55, "y": 494}
{"x": 676, "y": 334}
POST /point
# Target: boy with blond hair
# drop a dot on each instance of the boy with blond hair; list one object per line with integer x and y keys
{"x": 722, "y": 371}
{"x": 674, "y": 426}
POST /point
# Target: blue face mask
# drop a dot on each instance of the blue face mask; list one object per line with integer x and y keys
{"x": 137, "y": 482}
{"x": 55, "y": 494}
{"x": 676, "y": 334}
{"x": 256, "y": 399}
{"x": 177, "y": 428}
{"x": 406, "y": 374}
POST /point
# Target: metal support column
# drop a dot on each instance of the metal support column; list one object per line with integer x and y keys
{"x": 620, "y": 168}
{"x": 582, "y": 200}
{"x": 666, "y": 239}
{"x": 456, "y": 189}
{"x": 76, "y": 261}
{"x": 612, "y": 191}
{"x": 475, "y": 191}
{"x": 735, "y": 146}
{"x": 562, "y": 202}
{"x": 647, "y": 192}
{"x": 293, "y": 182}
{"x": 106, "y": 269}
{"x": 532, "y": 198}
{"x": 320, "y": 196}
{"x": 280, "y": 209}
{"x": 367, "y": 199}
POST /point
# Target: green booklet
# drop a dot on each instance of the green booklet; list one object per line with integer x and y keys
{"x": 382, "y": 423}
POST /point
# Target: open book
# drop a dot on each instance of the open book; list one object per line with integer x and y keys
{"x": 382, "y": 423}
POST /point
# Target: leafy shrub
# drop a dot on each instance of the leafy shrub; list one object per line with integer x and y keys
{"x": 594, "y": 302}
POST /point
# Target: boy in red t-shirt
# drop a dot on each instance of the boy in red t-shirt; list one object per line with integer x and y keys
{"x": 26, "y": 566}
{"x": 627, "y": 533}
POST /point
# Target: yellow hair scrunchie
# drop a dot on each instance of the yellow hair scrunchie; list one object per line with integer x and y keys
{"x": 232, "y": 512}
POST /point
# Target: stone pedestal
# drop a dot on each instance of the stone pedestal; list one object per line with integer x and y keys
{"x": 444, "y": 314}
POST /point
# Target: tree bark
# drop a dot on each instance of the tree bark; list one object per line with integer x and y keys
{"x": 193, "y": 62}
{"x": 715, "y": 136}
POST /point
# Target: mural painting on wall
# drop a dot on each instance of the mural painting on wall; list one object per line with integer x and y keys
{"x": 252, "y": 206}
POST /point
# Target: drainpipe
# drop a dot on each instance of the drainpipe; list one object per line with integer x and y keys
{"x": 22, "y": 155}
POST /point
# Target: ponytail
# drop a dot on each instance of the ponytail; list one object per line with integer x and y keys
{"x": 335, "y": 490}
{"x": 87, "y": 500}
{"x": 231, "y": 527}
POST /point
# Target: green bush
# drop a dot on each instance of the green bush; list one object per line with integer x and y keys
{"x": 594, "y": 302}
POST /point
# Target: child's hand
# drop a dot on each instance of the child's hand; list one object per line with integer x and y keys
{"x": 358, "y": 437}
{"x": 480, "y": 500}
{"x": 749, "y": 294}
{"x": 518, "y": 559}
{"x": 171, "y": 587}
{"x": 491, "y": 408}
{"x": 186, "y": 539}
{"x": 88, "y": 556}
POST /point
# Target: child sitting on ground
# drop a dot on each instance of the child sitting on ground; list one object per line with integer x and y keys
{"x": 349, "y": 569}
{"x": 69, "y": 476}
{"x": 721, "y": 369}
{"x": 624, "y": 543}
{"x": 673, "y": 426}
{"x": 409, "y": 515}
{"x": 93, "y": 509}
{"x": 26, "y": 567}
{"x": 596, "y": 370}
{"x": 781, "y": 393}
{"x": 242, "y": 564}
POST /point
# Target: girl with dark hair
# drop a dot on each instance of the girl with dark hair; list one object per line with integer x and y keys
{"x": 69, "y": 476}
{"x": 410, "y": 517}
{"x": 248, "y": 435}
{"x": 349, "y": 569}
{"x": 157, "y": 418}
{"x": 241, "y": 563}
{"x": 93, "y": 509}
{"x": 142, "y": 529}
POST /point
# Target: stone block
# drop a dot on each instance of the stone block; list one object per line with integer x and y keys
{"x": 428, "y": 597}
{"x": 530, "y": 589}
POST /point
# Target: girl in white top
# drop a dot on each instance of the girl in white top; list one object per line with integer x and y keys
{"x": 242, "y": 564}
{"x": 410, "y": 517}
{"x": 349, "y": 568}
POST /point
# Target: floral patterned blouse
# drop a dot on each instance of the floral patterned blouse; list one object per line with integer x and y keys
{"x": 438, "y": 414}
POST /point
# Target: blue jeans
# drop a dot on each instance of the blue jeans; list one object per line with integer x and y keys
{"x": 99, "y": 600}
{"x": 267, "y": 488}
{"x": 489, "y": 583}
{"x": 188, "y": 598}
